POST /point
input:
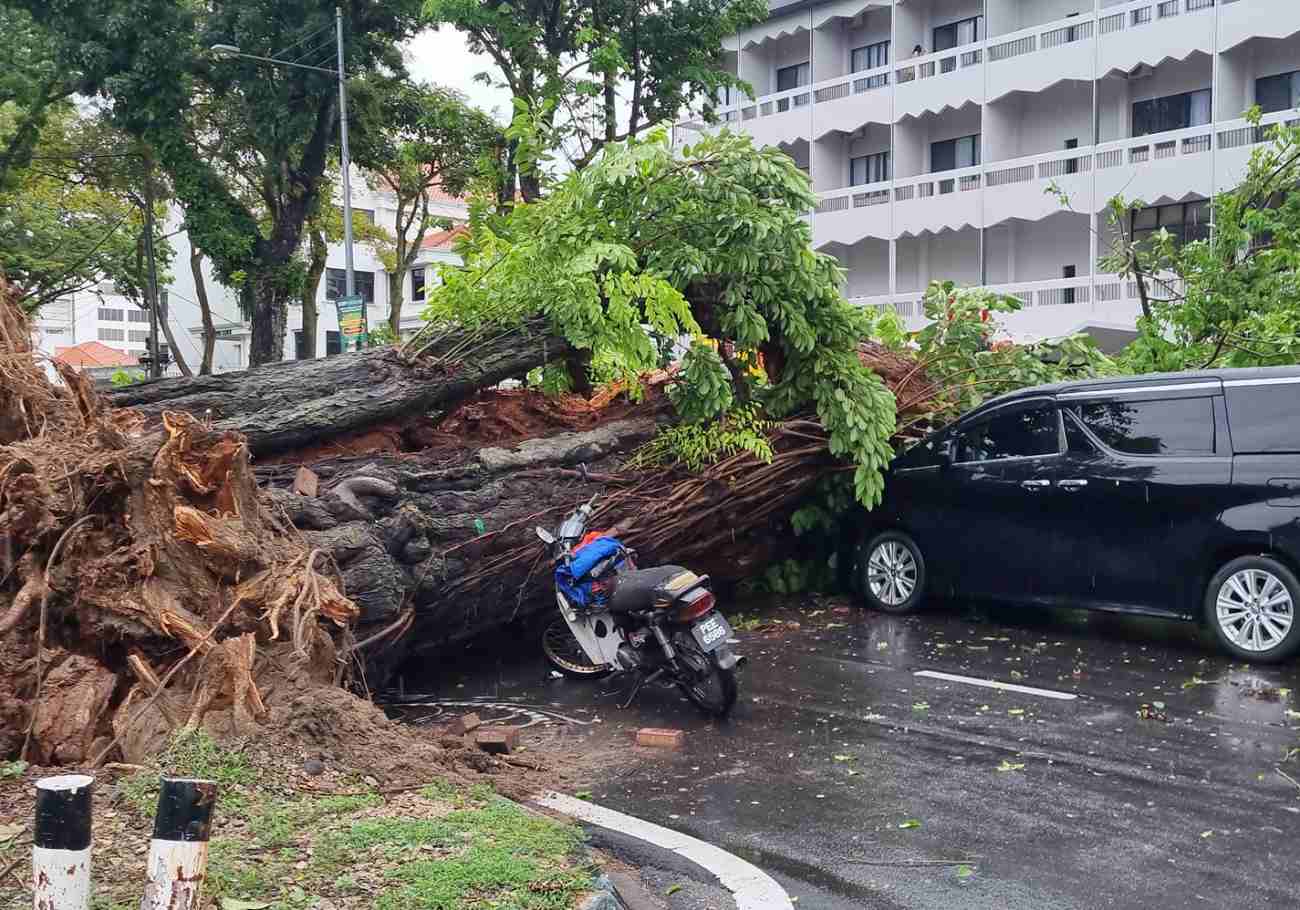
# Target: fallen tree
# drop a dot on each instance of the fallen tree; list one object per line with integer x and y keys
{"x": 146, "y": 584}
{"x": 299, "y": 402}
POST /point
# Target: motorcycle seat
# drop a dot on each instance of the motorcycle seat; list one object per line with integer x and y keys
{"x": 656, "y": 587}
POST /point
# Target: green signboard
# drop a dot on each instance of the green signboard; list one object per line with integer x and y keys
{"x": 352, "y": 321}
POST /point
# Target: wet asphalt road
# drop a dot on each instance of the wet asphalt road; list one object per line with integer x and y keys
{"x": 858, "y": 784}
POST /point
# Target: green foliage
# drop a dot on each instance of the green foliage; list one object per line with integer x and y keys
{"x": 32, "y": 87}
{"x": 567, "y": 65}
{"x": 380, "y": 335}
{"x": 957, "y": 352}
{"x": 12, "y": 770}
{"x": 123, "y": 377}
{"x": 1232, "y": 300}
{"x": 552, "y": 378}
{"x": 799, "y": 576}
{"x": 709, "y": 241}
{"x": 697, "y": 445}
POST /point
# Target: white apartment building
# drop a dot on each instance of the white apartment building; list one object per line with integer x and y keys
{"x": 932, "y": 131}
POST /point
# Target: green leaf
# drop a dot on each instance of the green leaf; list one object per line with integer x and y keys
{"x": 910, "y": 823}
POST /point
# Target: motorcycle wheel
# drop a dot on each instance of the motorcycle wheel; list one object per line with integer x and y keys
{"x": 713, "y": 689}
{"x": 565, "y": 654}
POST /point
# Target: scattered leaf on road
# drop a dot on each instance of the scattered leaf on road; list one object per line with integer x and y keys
{"x": 673, "y": 889}
{"x": 921, "y": 706}
{"x": 1207, "y": 833}
{"x": 1016, "y": 712}
{"x": 1011, "y": 766}
{"x": 964, "y": 871}
{"x": 230, "y": 903}
{"x": 845, "y": 757}
{"x": 910, "y": 823}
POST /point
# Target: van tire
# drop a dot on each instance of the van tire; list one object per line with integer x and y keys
{"x": 1240, "y": 588}
{"x": 891, "y": 573}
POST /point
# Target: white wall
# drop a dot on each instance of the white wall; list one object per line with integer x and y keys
{"x": 947, "y": 255}
{"x": 917, "y": 21}
{"x": 1012, "y": 15}
{"x": 868, "y": 268}
{"x": 1037, "y": 123}
{"x": 1037, "y": 251}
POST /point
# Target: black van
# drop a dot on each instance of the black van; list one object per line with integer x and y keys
{"x": 1175, "y": 495}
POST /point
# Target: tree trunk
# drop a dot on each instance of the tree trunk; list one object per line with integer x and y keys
{"x": 205, "y": 311}
{"x": 310, "y": 291}
{"x": 303, "y": 402}
{"x": 270, "y": 317}
{"x": 395, "y": 281}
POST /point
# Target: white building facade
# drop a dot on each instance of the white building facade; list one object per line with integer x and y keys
{"x": 233, "y": 333}
{"x": 935, "y": 130}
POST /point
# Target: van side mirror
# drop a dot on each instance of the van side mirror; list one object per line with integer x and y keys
{"x": 545, "y": 536}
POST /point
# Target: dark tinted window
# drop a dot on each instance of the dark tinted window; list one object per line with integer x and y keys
{"x": 336, "y": 284}
{"x": 1153, "y": 427}
{"x": 1264, "y": 418}
{"x": 1077, "y": 441}
{"x": 1018, "y": 434}
{"x": 1278, "y": 93}
{"x": 788, "y": 77}
{"x": 333, "y": 344}
{"x": 1173, "y": 112}
{"x": 928, "y": 453}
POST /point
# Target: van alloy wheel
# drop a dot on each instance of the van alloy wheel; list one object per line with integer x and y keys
{"x": 891, "y": 572}
{"x": 1254, "y": 609}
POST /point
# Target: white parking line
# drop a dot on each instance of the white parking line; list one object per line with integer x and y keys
{"x": 996, "y": 684}
{"x": 752, "y": 888}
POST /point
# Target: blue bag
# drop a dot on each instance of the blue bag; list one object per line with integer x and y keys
{"x": 573, "y": 580}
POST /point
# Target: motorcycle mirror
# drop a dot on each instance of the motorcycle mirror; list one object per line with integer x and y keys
{"x": 546, "y": 536}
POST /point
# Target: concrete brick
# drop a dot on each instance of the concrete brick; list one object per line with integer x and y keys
{"x": 659, "y": 738}
{"x": 466, "y": 723}
{"x": 305, "y": 482}
{"x": 497, "y": 740}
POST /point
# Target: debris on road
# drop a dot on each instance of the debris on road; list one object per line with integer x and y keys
{"x": 497, "y": 740}
{"x": 659, "y": 738}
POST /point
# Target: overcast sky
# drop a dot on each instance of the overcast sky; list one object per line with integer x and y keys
{"x": 442, "y": 58}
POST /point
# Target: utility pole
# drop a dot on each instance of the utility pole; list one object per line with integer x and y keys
{"x": 344, "y": 156}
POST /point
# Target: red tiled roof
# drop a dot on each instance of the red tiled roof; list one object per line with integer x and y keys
{"x": 94, "y": 354}
{"x": 443, "y": 240}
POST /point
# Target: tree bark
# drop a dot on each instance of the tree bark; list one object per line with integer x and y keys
{"x": 301, "y": 402}
{"x": 205, "y": 311}
{"x": 310, "y": 312}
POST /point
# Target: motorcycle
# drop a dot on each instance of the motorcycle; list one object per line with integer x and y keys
{"x": 660, "y": 623}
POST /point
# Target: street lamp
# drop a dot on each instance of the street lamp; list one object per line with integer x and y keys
{"x": 232, "y": 50}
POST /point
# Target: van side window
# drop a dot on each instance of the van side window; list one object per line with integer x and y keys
{"x": 1264, "y": 418}
{"x": 1166, "y": 427}
{"x": 1019, "y": 434}
{"x": 1077, "y": 441}
{"x": 928, "y": 453}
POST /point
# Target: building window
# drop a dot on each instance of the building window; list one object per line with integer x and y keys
{"x": 955, "y": 153}
{"x": 1172, "y": 112}
{"x": 869, "y": 169}
{"x": 299, "y": 345}
{"x": 869, "y": 57}
{"x": 112, "y": 335}
{"x": 955, "y": 34}
{"x": 137, "y": 337}
{"x": 1278, "y": 93}
{"x": 333, "y": 344}
{"x": 366, "y": 215}
{"x": 336, "y": 283}
{"x": 1187, "y": 222}
{"x": 417, "y": 283}
{"x": 137, "y": 315}
{"x": 111, "y": 314}
{"x": 788, "y": 77}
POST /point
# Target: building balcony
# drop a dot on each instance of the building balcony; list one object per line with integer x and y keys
{"x": 1169, "y": 165}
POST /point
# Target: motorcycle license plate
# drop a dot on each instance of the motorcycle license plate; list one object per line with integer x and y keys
{"x": 711, "y": 632}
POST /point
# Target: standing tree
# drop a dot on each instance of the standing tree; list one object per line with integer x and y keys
{"x": 566, "y": 62}
{"x": 417, "y": 140}
{"x": 245, "y": 145}
{"x": 1229, "y": 299}
{"x": 32, "y": 87}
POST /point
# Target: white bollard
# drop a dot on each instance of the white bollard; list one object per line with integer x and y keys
{"x": 178, "y": 853}
{"x": 61, "y": 843}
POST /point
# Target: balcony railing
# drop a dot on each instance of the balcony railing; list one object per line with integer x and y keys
{"x": 1102, "y": 288}
{"x": 1134, "y": 14}
{"x": 1140, "y": 150}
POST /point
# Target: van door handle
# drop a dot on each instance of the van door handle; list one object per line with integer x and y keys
{"x": 1034, "y": 486}
{"x": 1072, "y": 484}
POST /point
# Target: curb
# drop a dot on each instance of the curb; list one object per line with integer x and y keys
{"x": 752, "y": 888}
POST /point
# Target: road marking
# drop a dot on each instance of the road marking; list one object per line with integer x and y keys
{"x": 996, "y": 684}
{"x": 752, "y": 888}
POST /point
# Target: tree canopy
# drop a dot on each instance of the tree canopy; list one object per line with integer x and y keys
{"x": 1230, "y": 300}
{"x": 584, "y": 73}
{"x": 708, "y": 243}
{"x": 245, "y": 145}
